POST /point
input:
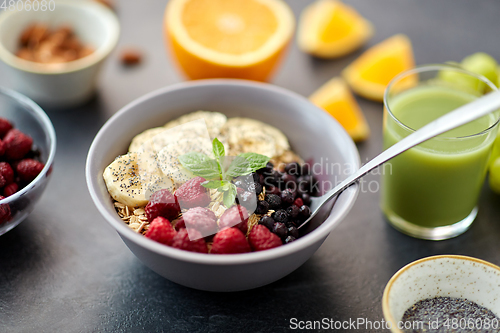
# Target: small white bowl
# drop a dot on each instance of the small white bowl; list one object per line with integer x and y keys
{"x": 75, "y": 82}
{"x": 312, "y": 133}
{"x": 441, "y": 276}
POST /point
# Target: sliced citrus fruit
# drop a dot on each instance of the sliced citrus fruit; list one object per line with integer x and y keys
{"x": 228, "y": 38}
{"x": 331, "y": 29}
{"x": 336, "y": 99}
{"x": 370, "y": 74}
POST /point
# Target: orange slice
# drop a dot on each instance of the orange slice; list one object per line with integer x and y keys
{"x": 336, "y": 99}
{"x": 370, "y": 74}
{"x": 331, "y": 29}
{"x": 228, "y": 38}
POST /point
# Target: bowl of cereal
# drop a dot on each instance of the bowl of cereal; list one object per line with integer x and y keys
{"x": 213, "y": 199}
{"x": 27, "y": 150}
{"x": 54, "y": 55}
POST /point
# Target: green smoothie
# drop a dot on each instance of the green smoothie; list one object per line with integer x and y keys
{"x": 438, "y": 182}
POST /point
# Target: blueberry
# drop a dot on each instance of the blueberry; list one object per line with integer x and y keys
{"x": 261, "y": 180}
{"x": 289, "y": 180}
{"x": 262, "y": 207}
{"x": 255, "y": 177}
{"x": 304, "y": 212}
{"x": 274, "y": 201}
{"x": 292, "y": 223}
{"x": 247, "y": 200}
{"x": 280, "y": 230}
{"x": 267, "y": 221}
{"x": 293, "y": 168}
{"x": 294, "y": 232}
{"x": 272, "y": 178}
{"x": 280, "y": 216}
{"x": 306, "y": 198}
{"x": 289, "y": 239}
{"x": 287, "y": 197}
{"x": 273, "y": 190}
{"x": 267, "y": 169}
{"x": 255, "y": 187}
{"x": 293, "y": 211}
{"x": 306, "y": 169}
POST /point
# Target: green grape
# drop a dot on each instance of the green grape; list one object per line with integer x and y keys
{"x": 496, "y": 150}
{"x": 461, "y": 81}
{"x": 495, "y": 176}
{"x": 482, "y": 64}
{"x": 498, "y": 73}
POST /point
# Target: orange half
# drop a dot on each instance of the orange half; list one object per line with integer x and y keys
{"x": 228, "y": 38}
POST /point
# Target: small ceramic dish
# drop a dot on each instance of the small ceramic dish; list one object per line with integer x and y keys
{"x": 441, "y": 276}
{"x": 312, "y": 133}
{"x": 75, "y": 81}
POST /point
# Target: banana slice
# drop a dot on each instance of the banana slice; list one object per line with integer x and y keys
{"x": 168, "y": 158}
{"x": 152, "y": 178}
{"x": 144, "y": 137}
{"x": 213, "y": 120}
{"x": 249, "y": 135}
{"x": 123, "y": 182}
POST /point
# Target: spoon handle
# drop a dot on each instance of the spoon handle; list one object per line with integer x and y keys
{"x": 460, "y": 116}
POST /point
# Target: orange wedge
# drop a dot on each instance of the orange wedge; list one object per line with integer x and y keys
{"x": 228, "y": 38}
{"x": 370, "y": 74}
{"x": 331, "y": 29}
{"x": 336, "y": 99}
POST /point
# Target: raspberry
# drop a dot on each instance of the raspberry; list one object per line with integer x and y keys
{"x": 4, "y": 212}
{"x": 298, "y": 202}
{"x": 3, "y": 182}
{"x": 7, "y": 172}
{"x": 236, "y": 216}
{"x": 162, "y": 203}
{"x": 200, "y": 220}
{"x": 180, "y": 224}
{"x": 17, "y": 144}
{"x": 260, "y": 238}
{"x": 28, "y": 169}
{"x": 161, "y": 231}
{"x": 5, "y": 126}
{"x": 192, "y": 194}
{"x": 230, "y": 240}
{"x": 10, "y": 189}
{"x": 181, "y": 241}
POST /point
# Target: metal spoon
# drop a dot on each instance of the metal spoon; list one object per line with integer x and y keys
{"x": 460, "y": 116}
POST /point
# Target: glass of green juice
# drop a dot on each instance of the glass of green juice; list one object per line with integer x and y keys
{"x": 431, "y": 191}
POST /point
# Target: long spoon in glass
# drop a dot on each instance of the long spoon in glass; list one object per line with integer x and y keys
{"x": 458, "y": 117}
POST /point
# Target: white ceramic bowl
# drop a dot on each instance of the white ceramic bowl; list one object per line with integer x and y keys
{"x": 312, "y": 134}
{"x": 445, "y": 275}
{"x": 74, "y": 83}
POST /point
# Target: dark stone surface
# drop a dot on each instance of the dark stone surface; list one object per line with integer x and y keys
{"x": 64, "y": 269}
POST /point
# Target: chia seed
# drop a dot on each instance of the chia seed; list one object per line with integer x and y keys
{"x": 449, "y": 314}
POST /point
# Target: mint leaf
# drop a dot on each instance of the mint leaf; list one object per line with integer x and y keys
{"x": 214, "y": 184}
{"x": 229, "y": 196}
{"x": 201, "y": 165}
{"x": 218, "y": 148}
{"x": 255, "y": 161}
{"x": 239, "y": 166}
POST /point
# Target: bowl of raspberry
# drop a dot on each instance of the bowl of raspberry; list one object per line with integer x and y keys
{"x": 27, "y": 149}
{"x": 213, "y": 199}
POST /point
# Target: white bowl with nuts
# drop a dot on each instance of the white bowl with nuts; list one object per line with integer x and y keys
{"x": 54, "y": 55}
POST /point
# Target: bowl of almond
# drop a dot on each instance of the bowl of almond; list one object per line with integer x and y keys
{"x": 209, "y": 182}
{"x": 54, "y": 56}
